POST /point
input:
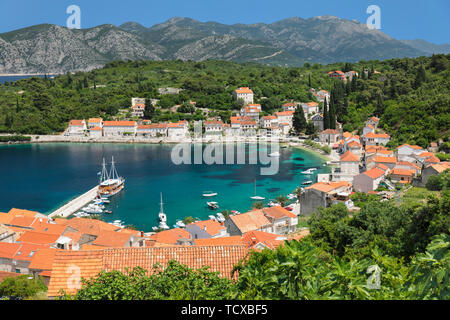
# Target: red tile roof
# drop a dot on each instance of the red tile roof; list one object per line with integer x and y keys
{"x": 243, "y": 90}
{"x": 5, "y": 274}
{"x": 278, "y": 212}
{"x": 40, "y": 238}
{"x": 270, "y": 240}
{"x": 385, "y": 159}
{"x": 330, "y": 131}
{"x": 119, "y": 123}
{"x": 112, "y": 239}
{"x": 349, "y": 157}
{"x": 76, "y": 122}
{"x": 374, "y": 173}
{"x": 171, "y": 236}
{"x": 210, "y": 226}
{"x": 328, "y": 186}
{"x": 378, "y": 135}
{"x": 43, "y": 259}
{"x": 221, "y": 259}
{"x": 402, "y": 172}
{"x": 251, "y": 220}
{"x": 221, "y": 241}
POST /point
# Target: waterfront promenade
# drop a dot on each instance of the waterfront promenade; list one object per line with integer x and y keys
{"x": 76, "y": 204}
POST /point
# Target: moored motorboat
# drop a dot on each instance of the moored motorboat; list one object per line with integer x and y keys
{"x": 209, "y": 194}
{"x": 212, "y": 205}
{"x": 220, "y": 217}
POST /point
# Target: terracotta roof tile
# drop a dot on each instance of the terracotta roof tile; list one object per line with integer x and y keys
{"x": 88, "y": 264}
{"x": 41, "y": 238}
{"x": 385, "y": 159}
{"x": 112, "y": 239}
{"x": 251, "y": 220}
{"x": 402, "y": 172}
{"x": 374, "y": 173}
{"x": 278, "y": 212}
{"x": 221, "y": 241}
{"x": 171, "y": 236}
{"x": 212, "y": 227}
{"x": 43, "y": 259}
{"x": 349, "y": 157}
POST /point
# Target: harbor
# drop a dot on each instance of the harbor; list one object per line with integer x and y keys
{"x": 76, "y": 204}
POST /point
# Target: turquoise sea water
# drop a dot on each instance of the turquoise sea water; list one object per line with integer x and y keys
{"x": 42, "y": 177}
{"x": 4, "y": 79}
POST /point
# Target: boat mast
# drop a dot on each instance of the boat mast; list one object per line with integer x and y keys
{"x": 161, "y": 210}
{"x": 104, "y": 176}
{"x": 113, "y": 174}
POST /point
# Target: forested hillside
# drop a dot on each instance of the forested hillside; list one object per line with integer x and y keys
{"x": 410, "y": 95}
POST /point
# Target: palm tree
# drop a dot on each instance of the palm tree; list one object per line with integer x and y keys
{"x": 258, "y": 205}
{"x": 281, "y": 200}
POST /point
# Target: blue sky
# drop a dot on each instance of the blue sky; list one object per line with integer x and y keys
{"x": 401, "y": 19}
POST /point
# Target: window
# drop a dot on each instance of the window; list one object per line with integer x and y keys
{"x": 32, "y": 253}
{"x": 17, "y": 270}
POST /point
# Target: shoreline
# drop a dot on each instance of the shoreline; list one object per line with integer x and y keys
{"x": 24, "y": 74}
{"x": 37, "y": 139}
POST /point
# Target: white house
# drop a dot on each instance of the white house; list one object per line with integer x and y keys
{"x": 376, "y": 139}
{"x": 406, "y": 152}
{"x": 310, "y": 108}
{"x": 252, "y": 111}
{"x": 178, "y": 130}
{"x": 244, "y": 93}
{"x": 368, "y": 180}
{"x": 96, "y": 132}
{"x": 348, "y": 167}
{"x": 137, "y": 110}
{"x": 119, "y": 128}
{"x": 267, "y": 122}
{"x": 285, "y": 117}
{"x": 77, "y": 127}
{"x": 95, "y": 122}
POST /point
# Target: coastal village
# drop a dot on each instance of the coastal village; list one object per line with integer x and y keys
{"x": 56, "y": 248}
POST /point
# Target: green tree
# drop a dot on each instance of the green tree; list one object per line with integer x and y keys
{"x": 299, "y": 121}
{"x": 22, "y": 286}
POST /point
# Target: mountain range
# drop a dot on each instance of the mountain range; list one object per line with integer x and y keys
{"x": 54, "y": 49}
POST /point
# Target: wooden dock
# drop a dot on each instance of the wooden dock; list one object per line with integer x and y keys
{"x": 76, "y": 204}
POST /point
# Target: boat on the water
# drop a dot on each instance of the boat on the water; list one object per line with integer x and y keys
{"x": 307, "y": 182}
{"x": 209, "y": 194}
{"x": 179, "y": 224}
{"x": 162, "y": 217}
{"x": 291, "y": 196}
{"x": 220, "y": 217}
{"x": 255, "y": 197}
{"x": 211, "y": 217}
{"x": 309, "y": 171}
{"x": 273, "y": 204}
{"x": 110, "y": 182}
{"x": 212, "y": 205}
{"x": 274, "y": 154}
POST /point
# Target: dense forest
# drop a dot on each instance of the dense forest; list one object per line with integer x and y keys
{"x": 410, "y": 95}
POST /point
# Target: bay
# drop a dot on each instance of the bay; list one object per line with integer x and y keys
{"x": 43, "y": 177}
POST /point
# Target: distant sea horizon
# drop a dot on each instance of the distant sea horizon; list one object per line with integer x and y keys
{"x": 14, "y": 77}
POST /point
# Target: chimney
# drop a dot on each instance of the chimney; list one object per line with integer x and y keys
{"x": 204, "y": 228}
{"x": 142, "y": 234}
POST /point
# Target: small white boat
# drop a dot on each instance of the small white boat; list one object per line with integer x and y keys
{"x": 309, "y": 171}
{"x": 273, "y": 204}
{"x": 235, "y": 212}
{"x": 307, "y": 182}
{"x": 291, "y": 196}
{"x": 209, "y": 194}
{"x": 220, "y": 217}
{"x": 274, "y": 154}
{"x": 211, "y": 217}
{"x": 212, "y": 205}
{"x": 179, "y": 224}
{"x": 255, "y": 197}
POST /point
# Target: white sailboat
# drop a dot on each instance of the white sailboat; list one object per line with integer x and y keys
{"x": 162, "y": 218}
{"x": 255, "y": 197}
